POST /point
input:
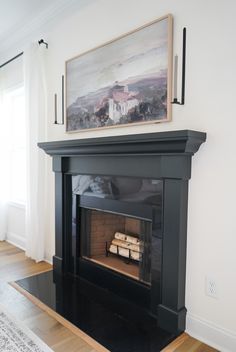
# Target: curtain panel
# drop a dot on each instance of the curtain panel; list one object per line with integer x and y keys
{"x": 36, "y": 112}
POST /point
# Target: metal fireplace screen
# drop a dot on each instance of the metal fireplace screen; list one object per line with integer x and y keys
{"x": 117, "y": 242}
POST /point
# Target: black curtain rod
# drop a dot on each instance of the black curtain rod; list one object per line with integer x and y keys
{"x": 12, "y": 59}
{"x": 41, "y": 41}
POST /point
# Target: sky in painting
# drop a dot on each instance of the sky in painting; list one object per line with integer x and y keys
{"x": 142, "y": 52}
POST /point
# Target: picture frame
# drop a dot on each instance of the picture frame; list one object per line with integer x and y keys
{"x": 124, "y": 82}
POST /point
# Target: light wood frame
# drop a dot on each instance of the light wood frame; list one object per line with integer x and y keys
{"x": 167, "y": 17}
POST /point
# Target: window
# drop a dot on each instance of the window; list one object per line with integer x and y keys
{"x": 14, "y": 108}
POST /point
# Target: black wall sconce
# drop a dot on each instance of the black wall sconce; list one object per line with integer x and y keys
{"x": 62, "y": 104}
{"x": 175, "y": 100}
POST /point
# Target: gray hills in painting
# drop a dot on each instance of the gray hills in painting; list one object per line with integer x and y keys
{"x": 138, "y": 99}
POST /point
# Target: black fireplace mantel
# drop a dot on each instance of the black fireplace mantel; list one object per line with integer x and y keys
{"x": 162, "y": 155}
{"x": 182, "y": 141}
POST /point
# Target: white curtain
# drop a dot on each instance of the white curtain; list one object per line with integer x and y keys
{"x": 11, "y": 76}
{"x": 3, "y": 160}
{"x": 36, "y": 109}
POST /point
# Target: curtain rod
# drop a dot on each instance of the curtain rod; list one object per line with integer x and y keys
{"x": 12, "y": 59}
{"x": 41, "y": 41}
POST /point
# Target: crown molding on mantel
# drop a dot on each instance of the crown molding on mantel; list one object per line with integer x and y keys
{"x": 17, "y": 37}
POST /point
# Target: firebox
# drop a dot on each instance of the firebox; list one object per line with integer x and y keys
{"x": 117, "y": 242}
{"x": 121, "y": 218}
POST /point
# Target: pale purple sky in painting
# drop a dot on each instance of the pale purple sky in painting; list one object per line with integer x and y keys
{"x": 142, "y": 52}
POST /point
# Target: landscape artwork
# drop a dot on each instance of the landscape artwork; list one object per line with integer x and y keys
{"x": 123, "y": 82}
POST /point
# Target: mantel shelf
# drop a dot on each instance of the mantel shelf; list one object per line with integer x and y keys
{"x": 171, "y": 142}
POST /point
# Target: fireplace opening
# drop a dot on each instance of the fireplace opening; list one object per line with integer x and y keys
{"x": 117, "y": 242}
{"x": 117, "y": 228}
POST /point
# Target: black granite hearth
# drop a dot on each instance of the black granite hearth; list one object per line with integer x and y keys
{"x": 117, "y": 324}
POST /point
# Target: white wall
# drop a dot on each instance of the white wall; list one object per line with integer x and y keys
{"x": 210, "y": 90}
{"x": 16, "y": 225}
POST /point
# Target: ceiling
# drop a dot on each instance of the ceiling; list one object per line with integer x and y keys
{"x": 20, "y": 18}
{"x": 14, "y": 14}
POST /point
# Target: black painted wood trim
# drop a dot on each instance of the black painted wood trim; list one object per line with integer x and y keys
{"x": 59, "y": 214}
{"x": 182, "y": 141}
{"x": 152, "y": 166}
{"x": 141, "y": 211}
{"x": 171, "y": 310}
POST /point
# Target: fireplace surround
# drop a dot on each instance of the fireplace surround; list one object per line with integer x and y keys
{"x": 132, "y": 192}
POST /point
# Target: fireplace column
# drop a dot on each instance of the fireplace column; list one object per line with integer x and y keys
{"x": 63, "y": 215}
{"x": 172, "y": 312}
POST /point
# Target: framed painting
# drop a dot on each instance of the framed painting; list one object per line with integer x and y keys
{"x": 124, "y": 82}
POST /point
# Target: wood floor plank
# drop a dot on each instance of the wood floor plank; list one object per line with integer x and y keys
{"x": 13, "y": 266}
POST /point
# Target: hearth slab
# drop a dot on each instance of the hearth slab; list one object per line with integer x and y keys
{"x": 115, "y": 323}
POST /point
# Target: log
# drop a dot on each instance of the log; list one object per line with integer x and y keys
{"x": 124, "y": 244}
{"x": 124, "y": 252}
{"x": 127, "y": 238}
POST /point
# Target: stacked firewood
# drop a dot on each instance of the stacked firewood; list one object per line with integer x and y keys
{"x": 126, "y": 246}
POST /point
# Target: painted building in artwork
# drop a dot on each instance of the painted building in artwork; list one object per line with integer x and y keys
{"x": 121, "y": 102}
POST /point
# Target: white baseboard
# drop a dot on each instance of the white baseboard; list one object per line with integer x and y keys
{"x": 211, "y": 334}
{"x": 20, "y": 242}
{"x": 16, "y": 240}
{"x": 48, "y": 261}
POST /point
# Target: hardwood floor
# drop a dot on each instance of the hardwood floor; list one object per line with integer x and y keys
{"x": 13, "y": 266}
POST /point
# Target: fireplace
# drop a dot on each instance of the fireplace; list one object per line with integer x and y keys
{"x": 121, "y": 217}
